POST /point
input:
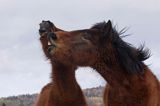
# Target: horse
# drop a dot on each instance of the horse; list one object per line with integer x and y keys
{"x": 130, "y": 81}
{"x": 63, "y": 90}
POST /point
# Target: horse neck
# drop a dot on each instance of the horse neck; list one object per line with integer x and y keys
{"x": 63, "y": 77}
{"x": 116, "y": 77}
{"x": 137, "y": 88}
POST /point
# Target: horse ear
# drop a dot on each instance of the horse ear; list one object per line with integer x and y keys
{"x": 107, "y": 27}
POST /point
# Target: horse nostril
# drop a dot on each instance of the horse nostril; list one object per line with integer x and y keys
{"x": 52, "y": 36}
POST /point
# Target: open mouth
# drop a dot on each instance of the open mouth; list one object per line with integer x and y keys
{"x": 51, "y": 45}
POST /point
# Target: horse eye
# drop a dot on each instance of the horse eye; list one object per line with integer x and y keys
{"x": 86, "y": 36}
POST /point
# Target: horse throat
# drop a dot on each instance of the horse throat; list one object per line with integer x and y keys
{"x": 63, "y": 77}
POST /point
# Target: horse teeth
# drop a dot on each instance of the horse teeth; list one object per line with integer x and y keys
{"x": 49, "y": 43}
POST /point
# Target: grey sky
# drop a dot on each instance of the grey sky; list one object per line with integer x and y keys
{"x": 23, "y": 68}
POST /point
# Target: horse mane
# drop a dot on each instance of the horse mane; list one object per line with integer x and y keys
{"x": 130, "y": 58}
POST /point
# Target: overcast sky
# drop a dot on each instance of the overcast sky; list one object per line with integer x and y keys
{"x": 23, "y": 67}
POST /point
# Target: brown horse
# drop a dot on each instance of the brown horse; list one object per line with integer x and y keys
{"x": 130, "y": 81}
{"x": 63, "y": 89}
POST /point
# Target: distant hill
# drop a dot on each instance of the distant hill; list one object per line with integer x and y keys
{"x": 93, "y": 97}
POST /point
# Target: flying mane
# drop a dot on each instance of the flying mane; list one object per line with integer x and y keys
{"x": 130, "y": 58}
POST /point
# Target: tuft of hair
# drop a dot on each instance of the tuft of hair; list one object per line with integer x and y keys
{"x": 99, "y": 25}
{"x": 130, "y": 58}
{"x": 143, "y": 53}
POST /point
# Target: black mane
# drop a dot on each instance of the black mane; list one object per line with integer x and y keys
{"x": 130, "y": 58}
{"x": 99, "y": 25}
